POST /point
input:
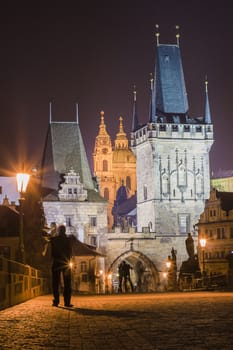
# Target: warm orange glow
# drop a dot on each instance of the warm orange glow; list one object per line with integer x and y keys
{"x": 203, "y": 242}
{"x": 22, "y": 182}
{"x": 168, "y": 264}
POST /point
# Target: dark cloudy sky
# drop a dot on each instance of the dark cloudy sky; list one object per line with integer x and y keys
{"x": 92, "y": 53}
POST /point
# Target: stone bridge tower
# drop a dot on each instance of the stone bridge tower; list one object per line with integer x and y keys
{"x": 172, "y": 152}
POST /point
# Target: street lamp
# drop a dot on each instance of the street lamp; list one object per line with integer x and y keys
{"x": 22, "y": 182}
{"x": 203, "y": 244}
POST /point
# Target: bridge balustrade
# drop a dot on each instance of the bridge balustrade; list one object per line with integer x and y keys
{"x": 19, "y": 282}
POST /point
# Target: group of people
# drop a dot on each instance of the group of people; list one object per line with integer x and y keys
{"x": 61, "y": 252}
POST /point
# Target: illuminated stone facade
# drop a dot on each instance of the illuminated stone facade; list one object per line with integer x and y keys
{"x": 171, "y": 156}
{"x": 216, "y": 226}
{"x": 113, "y": 166}
{"x": 83, "y": 213}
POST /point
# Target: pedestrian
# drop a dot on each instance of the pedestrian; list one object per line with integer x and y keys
{"x": 120, "y": 273}
{"x": 61, "y": 251}
{"x": 124, "y": 273}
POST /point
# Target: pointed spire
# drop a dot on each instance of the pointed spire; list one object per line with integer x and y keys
{"x": 77, "y": 113}
{"x": 102, "y": 126}
{"x": 103, "y": 136}
{"x": 121, "y": 141}
{"x": 151, "y": 98}
{"x": 50, "y": 112}
{"x": 177, "y": 35}
{"x": 121, "y": 129}
{"x": 157, "y": 34}
{"x": 207, "y": 106}
{"x": 135, "y": 116}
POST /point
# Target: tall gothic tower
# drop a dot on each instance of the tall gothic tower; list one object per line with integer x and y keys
{"x": 172, "y": 152}
{"x": 113, "y": 166}
{"x": 102, "y": 163}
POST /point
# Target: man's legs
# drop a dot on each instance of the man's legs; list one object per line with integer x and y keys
{"x": 67, "y": 286}
{"x": 55, "y": 284}
{"x": 120, "y": 285}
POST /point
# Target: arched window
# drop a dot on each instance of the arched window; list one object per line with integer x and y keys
{"x": 105, "y": 165}
{"x": 128, "y": 182}
{"x": 106, "y": 193}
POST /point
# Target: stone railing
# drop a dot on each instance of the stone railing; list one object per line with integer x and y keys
{"x": 19, "y": 283}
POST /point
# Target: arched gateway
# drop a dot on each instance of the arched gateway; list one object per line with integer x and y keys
{"x": 144, "y": 274}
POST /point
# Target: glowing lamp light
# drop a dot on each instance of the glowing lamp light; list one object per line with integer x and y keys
{"x": 168, "y": 264}
{"x": 203, "y": 242}
{"x": 22, "y": 182}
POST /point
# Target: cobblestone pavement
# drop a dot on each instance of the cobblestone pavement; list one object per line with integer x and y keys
{"x": 195, "y": 320}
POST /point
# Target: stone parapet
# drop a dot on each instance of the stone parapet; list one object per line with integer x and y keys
{"x": 19, "y": 283}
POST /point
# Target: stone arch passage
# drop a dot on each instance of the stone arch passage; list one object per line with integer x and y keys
{"x": 144, "y": 274}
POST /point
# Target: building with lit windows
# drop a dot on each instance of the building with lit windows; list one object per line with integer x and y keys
{"x": 216, "y": 226}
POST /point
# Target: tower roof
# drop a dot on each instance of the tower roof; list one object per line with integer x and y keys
{"x": 169, "y": 84}
{"x": 64, "y": 149}
{"x": 135, "y": 114}
{"x": 121, "y": 141}
{"x": 103, "y": 137}
{"x": 207, "y": 105}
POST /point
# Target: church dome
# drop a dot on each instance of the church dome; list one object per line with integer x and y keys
{"x": 121, "y": 155}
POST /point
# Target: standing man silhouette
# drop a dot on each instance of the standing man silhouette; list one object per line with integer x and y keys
{"x": 61, "y": 252}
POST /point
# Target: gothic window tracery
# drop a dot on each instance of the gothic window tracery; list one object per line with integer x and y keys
{"x": 182, "y": 176}
{"x": 165, "y": 186}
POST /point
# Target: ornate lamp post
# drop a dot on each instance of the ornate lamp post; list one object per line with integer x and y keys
{"x": 22, "y": 182}
{"x": 203, "y": 245}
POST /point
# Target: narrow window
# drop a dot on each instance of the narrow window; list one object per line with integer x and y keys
{"x": 105, "y": 165}
{"x": 128, "y": 182}
{"x": 93, "y": 220}
{"x": 83, "y": 266}
{"x": 184, "y": 223}
{"x": 106, "y": 193}
{"x": 145, "y": 192}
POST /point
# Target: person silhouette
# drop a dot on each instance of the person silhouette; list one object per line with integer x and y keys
{"x": 61, "y": 251}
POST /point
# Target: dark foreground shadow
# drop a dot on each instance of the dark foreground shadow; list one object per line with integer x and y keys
{"x": 96, "y": 312}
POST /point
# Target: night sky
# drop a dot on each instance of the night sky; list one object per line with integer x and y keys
{"x": 92, "y": 53}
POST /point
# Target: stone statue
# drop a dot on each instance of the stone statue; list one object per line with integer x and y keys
{"x": 190, "y": 246}
{"x": 173, "y": 252}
